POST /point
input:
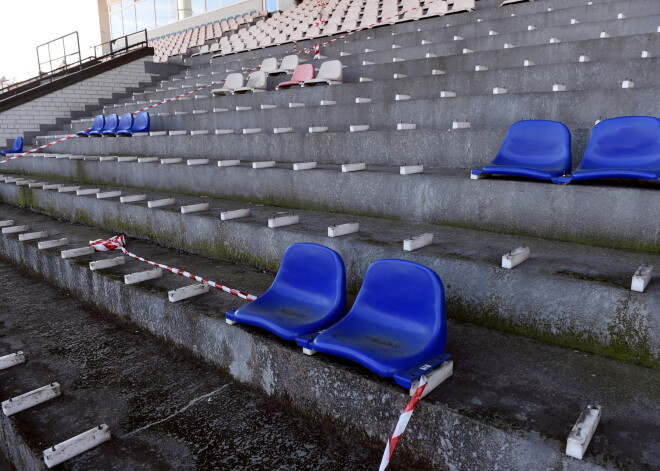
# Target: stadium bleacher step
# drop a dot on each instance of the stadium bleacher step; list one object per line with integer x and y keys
{"x": 490, "y": 412}
{"x": 467, "y": 260}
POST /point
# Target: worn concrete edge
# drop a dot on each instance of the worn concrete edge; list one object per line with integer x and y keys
{"x": 516, "y": 216}
{"x": 615, "y": 322}
{"x": 439, "y": 434}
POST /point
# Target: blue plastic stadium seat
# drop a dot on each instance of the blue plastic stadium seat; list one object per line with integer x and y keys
{"x": 111, "y": 123}
{"x": 125, "y": 124}
{"x": 141, "y": 123}
{"x": 16, "y": 148}
{"x": 397, "y": 326}
{"x": 626, "y": 147}
{"x": 97, "y": 126}
{"x": 307, "y": 295}
{"x": 534, "y": 149}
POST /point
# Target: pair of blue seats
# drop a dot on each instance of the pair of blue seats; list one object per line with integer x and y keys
{"x": 16, "y": 148}
{"x": 113, "y": 125}
{"x": 626, "y": 147}
{"x": 397, "y": 326}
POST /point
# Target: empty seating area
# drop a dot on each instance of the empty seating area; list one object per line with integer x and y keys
{"x": 448, "y": 172}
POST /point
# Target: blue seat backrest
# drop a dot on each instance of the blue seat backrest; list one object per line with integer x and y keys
{"x": 305, "y": 271}
{"x": 142, "y": 122}
{"x": 405, "y": 296}
{"x": 125, "y": 122}
{"x": 17, "y": 146}
{"x": 99, "y": 122}
{"x": 536, "y": 143}
{"x": 111, "y": 122}
{"x": 629, "y": 142}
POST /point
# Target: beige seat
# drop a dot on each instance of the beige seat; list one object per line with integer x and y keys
{"x": 331, "y": 73}
{"x": 257, "y": 82}
{"x": 232, "y": 82}
{"x": 462, "y": 5}
{"x": 269, "y": 65}
{"x": 437, "y": 8}
{"x": 288, "y": 65}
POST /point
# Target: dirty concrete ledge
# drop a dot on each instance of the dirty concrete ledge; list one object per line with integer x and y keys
{"x": 319, "y": 386}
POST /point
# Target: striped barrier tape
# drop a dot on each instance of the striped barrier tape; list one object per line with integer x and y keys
{"x": 401, "y": 425}
{"x": 118, "y": 242}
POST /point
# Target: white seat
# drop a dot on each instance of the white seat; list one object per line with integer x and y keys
{"x": 437, "y": 8}
{"x": 269, "y": 65}
{"x": 232, "y": 82}
{"x": 330, "y": 72}
{"x": 462, "y": 5}
{"x": 257, "y": 82}
{"x": 288, "y": 65}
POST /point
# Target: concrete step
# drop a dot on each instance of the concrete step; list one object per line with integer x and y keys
{"x": 467, "y": 260}
{"x": 511, "y": 206}
{"x": 510, "y": 403}
{"x": 577, "y": 76}
{"x": 164, "y": 408}
{"x": 576, "y": 109}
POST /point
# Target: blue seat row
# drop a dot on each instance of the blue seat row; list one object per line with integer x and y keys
{"x": 16, "y": 148}
{"x": 397, "y": 326}
{"x": 625, "y": 147}
{"x": 113, "y": 125}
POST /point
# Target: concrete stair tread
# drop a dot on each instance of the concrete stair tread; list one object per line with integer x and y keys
{"x": 502, "y": 382}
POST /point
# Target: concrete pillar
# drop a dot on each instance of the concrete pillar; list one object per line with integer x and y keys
{"x": 104, "y": 24}
{"x": 183, "y": 9}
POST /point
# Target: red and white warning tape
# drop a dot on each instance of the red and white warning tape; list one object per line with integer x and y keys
{"x": 401, "y": 425}
{"x": 118, "y": 242}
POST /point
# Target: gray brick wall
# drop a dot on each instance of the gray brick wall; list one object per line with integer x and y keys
{"x": 45, "y": 110}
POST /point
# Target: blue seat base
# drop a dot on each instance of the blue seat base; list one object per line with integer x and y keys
{"x": 517, "y": 172}
{"x": 402, "y": 378}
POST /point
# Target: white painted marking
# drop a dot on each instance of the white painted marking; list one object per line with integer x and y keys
{"x": 447, "y": 94}
{"x": 139, "y": 277}
{"x": 15, "y": 229}
{"x": 158, "y": 133}
{"x": 71, "y": 253}
{"x": 365, "y": 79}
{"x": 360, "y": 100}
{"x": 406, "y": 126}
{"x": 343, "y": 229}
{"x": 30, "y": 399}
{"x": 37, "y": 184}
{"x": 251, "y": 130}
{"x": 480, "y": 68}
{"x": 418, "y": 242}
{"x": 467, "y": 51}
{"x": 492, "y": 33}
{"x": 224, "y": 131}
{"x": 263, "y": 164}
{"x": 146, "y": 160}
{"x": 358, "y": 127}
{"x": 508, "y": 46}
{"x": 283, "y": 221}
{"x": 645, "y": 54}
{"x": 6, "y": 223}
{"x": 74, "y": 446}
{"x": 582, "y": 432}
{"x": 178, "y": 133}
{"x": 641, "y": 278}
{"x": 187, "y": 292}
{"x": 584, "y": 58}
{"x": 328, "y": 102}
{"x": 410, "y": 169}
{"x": 315, "y": 129}
{"x": 308, "y": 351}
{"x": 575, "y": 21}
{"x": 108, "y": 158}
{"x": 12, "y": 359}
{"x": 228, "y": 163}
{"x": 243, "y": 108}
{"x": 353, "y": 167}
{"x": 107, "y": 263}
{"x": 199, "y": 132}
{"x": 282, "y": 130}
{"x": 49, "y": 244}
{"x": 604, "y": 35}
{"x": 458, "y": 38}
{"x": 461, "y": 125}
{"x": 627, "y": 84}
{"x": 554, "y": 40}
{"x": 234, "y": 214}
{"x": 296, "y": 105}
{"x": 401, "y": 97}
{"x": 304, "y": 165}
{"x": 499, "y": 91}
{"x": 170, "y": 161}
{"x": 160, "y": 203}
{"x": 515, "y": 257}
{"x": 268, "y": 107}
{"x": 24, "y": 182}
{"x": 87, "y": 191}
{"x": 32, "y": 235}
{"x": 132, "y": 198}
{"x": 197, "y": 161}
{"x": 399, "y": 76}
{"x": 108, "y": 194}
{"x": 194, "y": 208}
{"x": 127, "y": 159}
